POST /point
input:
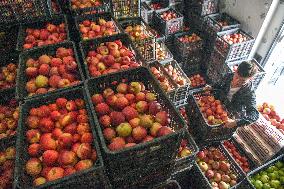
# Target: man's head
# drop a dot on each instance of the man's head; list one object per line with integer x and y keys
{"x": 245, "y": 72}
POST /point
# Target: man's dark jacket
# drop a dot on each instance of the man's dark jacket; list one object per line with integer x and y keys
{"x": 243, "y": 103}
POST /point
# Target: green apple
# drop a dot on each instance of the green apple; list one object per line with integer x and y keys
{"x": 272, "y": 176}
{"x": 281, "y": 173}
{"x": 257, "y": 176}
{"x": 275, "y": 183}
{"x": 258, "y": 184}
{"x": 279, "y": 164}
{"x": 266, "y": 186}
{"x": 264, "y": 179}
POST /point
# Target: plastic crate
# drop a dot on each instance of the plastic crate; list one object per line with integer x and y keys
{"x": 234, "y": 51}
{"x": 88, "y": 178}
{"x": 202, "y": 74}
{"x": 55, "y": 8}
{"x": 125, "y": 9}
{"x": 86, "y": 46}
{"x": 137, "y": 160}
{"x": 173, "y": 87}
{"x": 21, "y": 92}
{"x": 214, "y": 23}
{"x": 186, "y": 49}
{"x": 147, "y": 11}
{"x": 168, "y": 55}
{"x": 192, "y": 63}
{"x": 200, "y": 181}
{"x": 6, "y": 59}
{"x": 257, "y": 78}
{"x": 201, "y": 129}
{"x": 186, "y": 163}
{"x": 179, "y": 6}
{"x": 202, "y": 7}
{"x": 252, "y": 165}
{"x": 8, "y": 41}
{"x": 88, "y": 10}
{"x": 159, "y": 37}
{"x": 168, "y": 27}
{"x": 262, "y": 168}
{"x": 182, "y": 91}
{"x": 5, "y": 97}
{"x": 95, "y": 18}
{"x": 14, "y": 12}
{"x": 22, "y": 30}
{"x": 171, "y": 184}
{"x": 145, "y": 46}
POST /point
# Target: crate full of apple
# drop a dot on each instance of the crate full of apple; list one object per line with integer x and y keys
{"x": 48, "y": 69}
{"x": 270, "y": 175}
{"x": 125, "y": 9}
{"x": 187, "y": 43}
{"x": 80, "y": 7}
{"x": 57, "y": 140}
{"x": 168, "y": 21}
{"x": 149, "y": 7}
{"x": 141, "y": 35}
{"x": 163, "y": 54}
{"x": 133, "y": 116}
{"x": 197, "y": 80}
{"x": 92, "y": 26}
{"x": 8, "y": 75}
{"x": 43, "y": 33}
{"x": 219, "y": 171}
{"x": 234, "y": 44}
{"x": 108, "y": 55}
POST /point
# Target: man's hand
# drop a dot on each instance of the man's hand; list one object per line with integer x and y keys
{"x": 230, "y": 124}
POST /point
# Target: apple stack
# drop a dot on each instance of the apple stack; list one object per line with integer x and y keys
{"x": 57, "y": 139}
{"x": 108, "y": 55}
{"x": 92, "y": 26}
{"x": 133, "y": 116}
{"x": 141, "y": 35}
{"x": 47, "y": 69}
{"x": 81, "y": 7}
{"x": 43, "y": 33}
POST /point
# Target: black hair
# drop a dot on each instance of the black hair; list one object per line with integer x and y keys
{"x": 246, "y": 69}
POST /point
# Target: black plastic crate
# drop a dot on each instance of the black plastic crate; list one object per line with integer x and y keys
{"x": 173, "y": 87}
{"x": 179, "y": 6}
{"x": 171, "y": 184}
{"x": 8, "y": 41}
{"x": 257, "y": 78}
{"x": 125, "y": 9}
{"x": 151, "y": 155}
{"x": 95, "y": 18}
{"x": 186, "y": 163}
{"x": 159, "y": 37}
{"x": 86, "y": 46}
{"x": 220, "y": 22}
{"x": 8, "y": 63}
{"x": 14, "y": 12}
{"x": 201, "y": 129}
{"x": 262, "y": 168}
{"x": 182, "y": 91}
{"x": 7, "y": 97}
{"x": 168, "y": 56}
{"x": 202, "y": 7}
{"x": 185, "y": 49}
{"x": 104, "y": 7}
{"x": 145, "y": 46}
{"x": 192, "y": 63}
{"x": 55, "y": 8}
{"x": 168, "y": 27}
{"x": 38, "y": 25}
{"x": 252, "y": 165}
{"x": 88, "y": 178}
{"x": 234, "y": 51}
{"x": 21, "y": 92}
{"x": 200, "y": 181}
{"x": 147, "y": 11}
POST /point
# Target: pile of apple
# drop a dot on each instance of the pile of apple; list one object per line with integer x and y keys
{"x": 223, "y": 23}
{"x": 8, "y": 76}
{"x": 168, "y": 15}
{"x": 197, "y": 80}
{"x": 184, "y": 115}
{"x": 216, "y": 168}
{"x": 212, "y": 109}
{"x": 136, "y": 32}
{"x": 7, "y": 158}
{"x": 163, "y": 80}
{"x": 81, "y": 4}
{"x": 269, "y": 113}
{"x": 48, "y": 73}
{"x": 241, "y": 160}
{"x": 270, "y": 178}
{"x": 90, "y": 29}
{"x": 110, "y": 57}
{"x": 184, "y": 150}
{"x": 60, "y": 140}
{"x": 156, "y": 6}
{"x": 235, "y": 38}
{"x": 189, "y": 38}
{"x": 9, "y": 115}
{"x": 176, "y": 75}
{"x": 51, "y": 34}
{"x": 130, "y": 115}
{"x": 160, "y": 52}
{"x": 55, "y": 6}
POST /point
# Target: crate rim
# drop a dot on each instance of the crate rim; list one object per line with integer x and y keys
{"x": 140, "y": 145}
